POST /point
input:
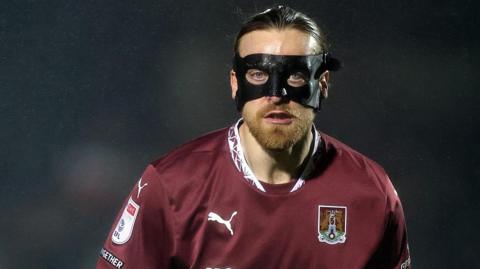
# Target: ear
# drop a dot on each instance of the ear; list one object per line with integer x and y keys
{"x": 324, "y": 83}
{"x": 233, "y": 83}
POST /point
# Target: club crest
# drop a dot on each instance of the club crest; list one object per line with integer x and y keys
{"x": 332, "y": 224}
{"x": 124, "y": 227}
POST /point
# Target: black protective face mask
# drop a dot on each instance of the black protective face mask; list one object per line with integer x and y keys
{"x": 293, "y": 78}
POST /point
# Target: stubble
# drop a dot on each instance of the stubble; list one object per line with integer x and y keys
{"x": 278, "y": 136}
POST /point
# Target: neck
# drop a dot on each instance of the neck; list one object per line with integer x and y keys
{"x": 274, "y": 166}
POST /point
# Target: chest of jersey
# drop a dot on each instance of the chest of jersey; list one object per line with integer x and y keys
{"x": 230, "y": 224}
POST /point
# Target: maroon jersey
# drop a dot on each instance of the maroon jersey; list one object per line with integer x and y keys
{"x": 200, "y": 206}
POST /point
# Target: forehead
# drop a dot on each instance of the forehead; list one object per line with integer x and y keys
{"x": 279, "y": 42}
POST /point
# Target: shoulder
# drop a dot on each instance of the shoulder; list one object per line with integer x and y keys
{"x": 205, "y": 146}
{"x": 343, "y": 150}
{"x": 190, "y": 163}
{"x": 353, "y": 160}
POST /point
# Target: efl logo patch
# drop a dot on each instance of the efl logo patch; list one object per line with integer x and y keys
{"x": 332, "y": 224}
{"x": 124, "y": 227}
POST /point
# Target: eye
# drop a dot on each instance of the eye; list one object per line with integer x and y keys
{"x": 256, "y": 77}
{"x": 297, "y": 79}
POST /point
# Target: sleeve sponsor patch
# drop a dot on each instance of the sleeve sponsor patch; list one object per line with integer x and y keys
{"x": 110, "y": 258}
{"x": 123, "y": 229}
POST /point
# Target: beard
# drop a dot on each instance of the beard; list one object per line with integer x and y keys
{"x": 278, "y": 136}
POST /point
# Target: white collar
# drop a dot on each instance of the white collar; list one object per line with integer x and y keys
{"x": 240, "y": 162}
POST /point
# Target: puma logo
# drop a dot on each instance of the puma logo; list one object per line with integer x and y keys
{"x": 215, "y": 217}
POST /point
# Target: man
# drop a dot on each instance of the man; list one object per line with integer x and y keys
{"x": 270, "y": 191}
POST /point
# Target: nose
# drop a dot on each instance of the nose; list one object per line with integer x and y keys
{"x": 277, "y": 94}
{"x": 275, "y": 99}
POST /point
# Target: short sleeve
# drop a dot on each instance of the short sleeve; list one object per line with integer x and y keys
{"x": 142, "y": 234}
{"x": 393, "y": 251}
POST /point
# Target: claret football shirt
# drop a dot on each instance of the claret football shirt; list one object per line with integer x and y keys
{"x": 200, "y": 206}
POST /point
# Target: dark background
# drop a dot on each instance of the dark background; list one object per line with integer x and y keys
{"x": 91, "y": 91}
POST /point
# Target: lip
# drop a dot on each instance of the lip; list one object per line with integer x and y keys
{"x": 278, "y": 117}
